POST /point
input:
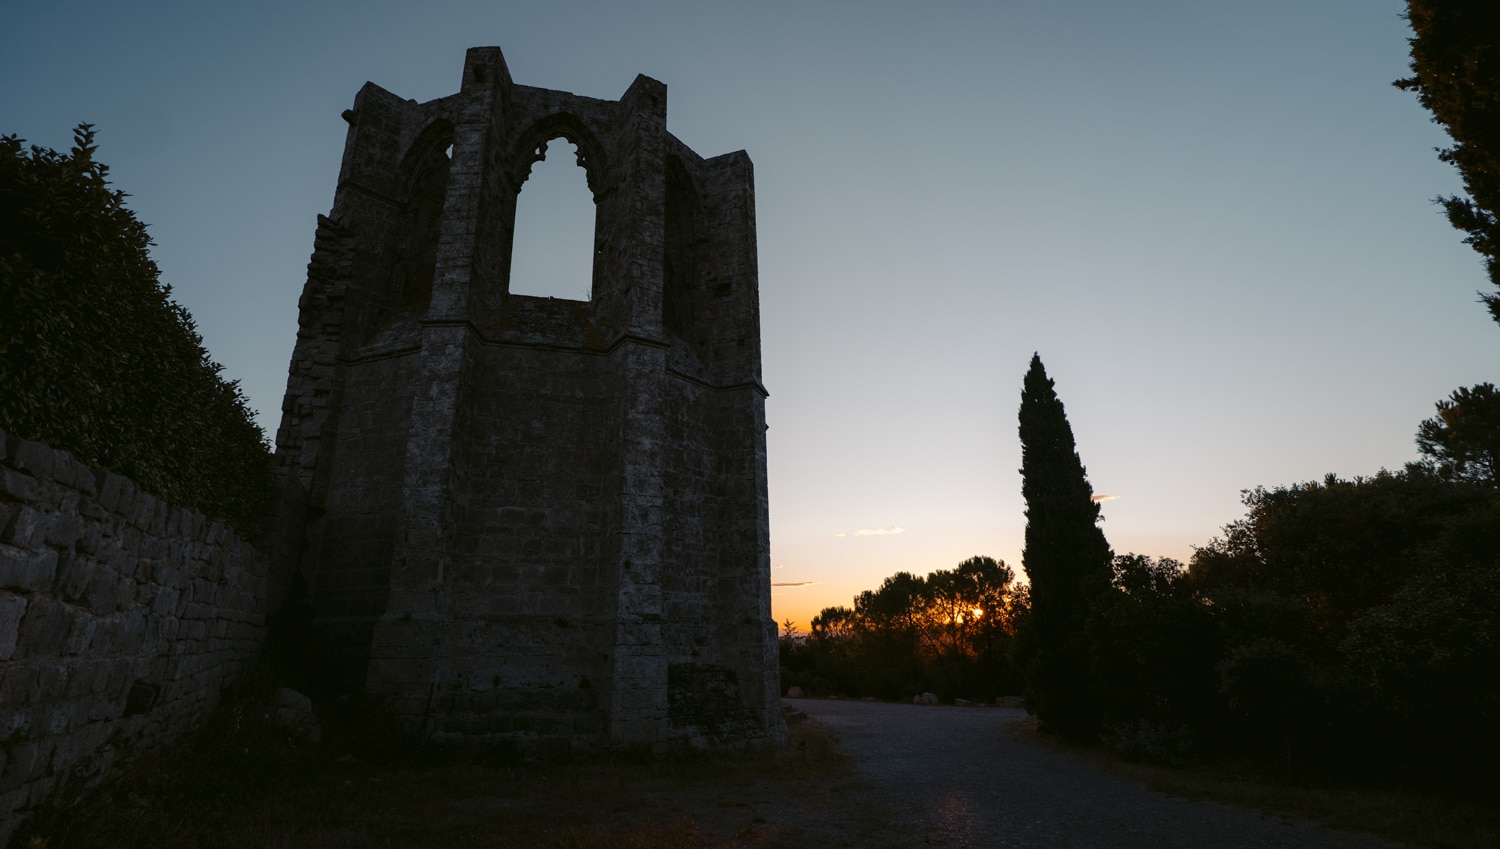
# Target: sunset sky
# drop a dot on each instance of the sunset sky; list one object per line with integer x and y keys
{"x": 1212, "y": 220}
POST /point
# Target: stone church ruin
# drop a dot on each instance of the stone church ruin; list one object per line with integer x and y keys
{"x": 524, "y": 518}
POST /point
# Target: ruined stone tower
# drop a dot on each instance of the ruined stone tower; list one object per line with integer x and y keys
{"x": 531, "y": 517}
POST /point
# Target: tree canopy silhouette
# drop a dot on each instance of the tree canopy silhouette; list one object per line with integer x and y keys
{"x": 1350, "y": 607}
{"x": 1463, "y": 439}
{"x": 1455, "y": 63}
{"x": 948, "y": 632}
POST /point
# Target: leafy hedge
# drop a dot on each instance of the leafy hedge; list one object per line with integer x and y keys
{"x": 96, "y": 358}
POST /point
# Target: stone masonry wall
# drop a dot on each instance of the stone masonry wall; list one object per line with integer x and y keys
{"x": 122, "y": 618}
{"x": 527, "y": 518}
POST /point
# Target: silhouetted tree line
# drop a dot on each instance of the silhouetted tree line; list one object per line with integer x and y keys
{"x": 1360, "y": 620}
{"x": 948, "y": 633}
{"x": 1341, "y": 625}
{"x": 96, "y": 358}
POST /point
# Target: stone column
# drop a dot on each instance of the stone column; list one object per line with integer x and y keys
{"x": 638, "y": 709}
{"x": 409, "y": 648}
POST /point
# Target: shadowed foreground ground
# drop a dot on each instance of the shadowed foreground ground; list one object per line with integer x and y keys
{"x": 968, "y": 777}
{"x": 860, "y": 775}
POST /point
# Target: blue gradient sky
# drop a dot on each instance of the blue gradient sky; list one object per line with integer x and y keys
{"x": 1212, "y": 220}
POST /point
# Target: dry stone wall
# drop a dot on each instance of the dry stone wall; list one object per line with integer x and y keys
{"x": 122, "y": 618}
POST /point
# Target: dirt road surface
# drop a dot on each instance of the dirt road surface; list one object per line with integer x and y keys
{"x": 966, "y": 777}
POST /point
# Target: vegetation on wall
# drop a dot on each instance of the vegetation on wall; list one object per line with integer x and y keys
{"x": 97, "y": 359}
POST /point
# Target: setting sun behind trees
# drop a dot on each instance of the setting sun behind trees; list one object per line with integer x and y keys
{"x": 947, "y": 633}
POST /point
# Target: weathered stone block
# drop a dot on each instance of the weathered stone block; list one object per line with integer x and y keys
{"x": 82, "y": 635}
{"x": 17, "y": 686}
{"x": 12, "y": 607}
{"x": 52, "y": 681}
{"x": 149, "y": 514}
{"x": 27, "y": 529}
{"x": 91, "y": 540}
{"x": 32, "y": 457}
{"x": 23, "y": 569}
{"x": 67, "y": 470}
{"x": 87, "y": 679}
{"x": 164, "y": 602}
{"x": 116, "y": 493}
{"x": 64, "y": 529}
{"x": 106, "y": 589}
{"x": 128, "y": 634}
{"x": 57, "y": 721}
{"x": 74, "y": 573}
{"x": 16, "y": 484}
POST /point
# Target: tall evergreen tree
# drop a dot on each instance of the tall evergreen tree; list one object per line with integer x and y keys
{"x": 1066, "y": 559}
{"x": 1455, "y": 63}
{"x": 1463, "y": 439}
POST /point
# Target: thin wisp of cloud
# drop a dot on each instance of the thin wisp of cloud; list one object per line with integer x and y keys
{"x": 873, "y": 532}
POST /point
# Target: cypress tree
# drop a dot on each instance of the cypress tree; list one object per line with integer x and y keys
{"x": 1455, "y": 63}
{"x": 1066, "y": 558}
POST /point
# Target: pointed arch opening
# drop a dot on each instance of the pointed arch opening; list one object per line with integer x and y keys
{"x": 552, "y": 249}
{"x": 412, "y": 261}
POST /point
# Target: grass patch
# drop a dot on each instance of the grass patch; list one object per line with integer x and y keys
{"x": 1407, "y": 815}
{"x": 240, "y": 781}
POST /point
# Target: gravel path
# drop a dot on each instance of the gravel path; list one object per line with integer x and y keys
{"x": 962, "y": 777}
